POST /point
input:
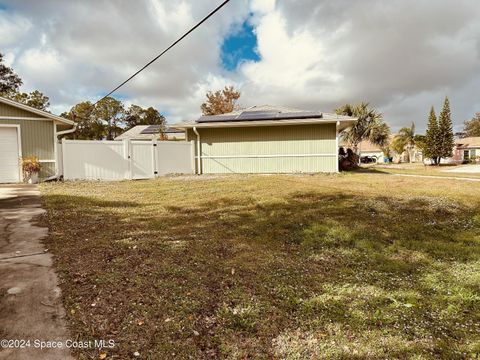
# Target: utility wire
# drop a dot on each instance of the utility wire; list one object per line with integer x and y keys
{"x": 164, "y": 51}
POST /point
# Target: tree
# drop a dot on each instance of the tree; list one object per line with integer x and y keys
{"x": 111, "y": 112}
{"x": 221, "y": 101}
{"x": 35, "y": 99}
{"x": 136, "y": 115}
{"x": 9, "y": 81}
{"x": 406, "y": 136}
{"x": 369, "y": 126}
{"x": 420, "y": 142}
{"x": 472, "y": 127}
{"x": 445, "y": 131}
{"x": 397, "y": 145}
{"x": 88, "y": 126}
{"x": 432, "y": 150}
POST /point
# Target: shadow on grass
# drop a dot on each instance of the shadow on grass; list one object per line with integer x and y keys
{"x": 223, "y": 277}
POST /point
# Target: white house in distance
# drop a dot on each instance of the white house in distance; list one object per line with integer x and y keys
{"x": 366, "y": 148}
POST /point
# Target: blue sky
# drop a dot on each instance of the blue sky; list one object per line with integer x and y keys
{"x": 239, "y": 46}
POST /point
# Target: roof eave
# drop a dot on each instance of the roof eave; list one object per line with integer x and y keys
{"x": 288, "y": 122}
{"x": 36, "y": 111}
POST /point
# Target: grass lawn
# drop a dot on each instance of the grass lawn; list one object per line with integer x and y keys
{"x": 343, "y": 266}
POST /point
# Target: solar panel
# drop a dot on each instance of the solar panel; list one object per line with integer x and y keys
{"x": 214, "y": 118}
{"x": 152, "y": 129}
{"x": 261, "y": 115}
{"x": 301, "y": 115}
{"x": 257, "y": 115}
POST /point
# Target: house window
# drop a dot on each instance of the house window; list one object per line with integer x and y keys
{"x": 466, "y": 154}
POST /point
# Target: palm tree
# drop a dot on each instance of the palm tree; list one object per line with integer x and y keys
{"x": 369, "y": 126}
{"x": 406, "y": 136}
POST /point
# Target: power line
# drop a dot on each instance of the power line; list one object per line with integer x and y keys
{"x": 164, "y": 51}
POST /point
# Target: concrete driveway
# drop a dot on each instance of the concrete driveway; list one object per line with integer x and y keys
{"x": 473, "y": 169}
{"x": 30, "y": 302}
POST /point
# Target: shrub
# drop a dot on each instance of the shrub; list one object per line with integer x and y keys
{"x": 30, "y": 165}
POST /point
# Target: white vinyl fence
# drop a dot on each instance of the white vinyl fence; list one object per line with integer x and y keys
{"x": 119, "y": 160}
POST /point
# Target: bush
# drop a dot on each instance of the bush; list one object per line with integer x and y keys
{"x": 30, "y": 166}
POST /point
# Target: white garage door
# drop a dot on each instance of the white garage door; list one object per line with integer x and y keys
{"x": 9, "y": 157}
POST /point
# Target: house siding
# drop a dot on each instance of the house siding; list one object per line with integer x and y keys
{"x": 268, "y": 149}
{"x": 36, "y": 136}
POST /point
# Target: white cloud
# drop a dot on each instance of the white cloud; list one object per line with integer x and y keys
{"x": 12, "y": 28}
{"x": 402, "y": 56}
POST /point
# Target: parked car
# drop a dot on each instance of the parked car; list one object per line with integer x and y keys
{"x": 368, "y": 159}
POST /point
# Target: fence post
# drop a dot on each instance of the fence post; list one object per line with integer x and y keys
{"x": 154, "y": 157}
{"x": 127, "y": 158}
{"x": 64, "y": 162}
{"x": 192, "y": 156}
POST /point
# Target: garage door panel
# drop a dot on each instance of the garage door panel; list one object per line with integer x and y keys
{"x": 9, "y": 156}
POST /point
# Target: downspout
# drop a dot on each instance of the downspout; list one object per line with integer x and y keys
{"x": 199, "y": 154}
{"x": 67, "y": 131}
{"x": 57, "y": 134}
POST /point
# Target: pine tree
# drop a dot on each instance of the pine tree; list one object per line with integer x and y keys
{"x": 445, "y": 131}
{"x": 431, "y": 138}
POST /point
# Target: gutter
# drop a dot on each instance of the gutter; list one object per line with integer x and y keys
{"x": 199, "y": 154}
{"x": 67, "y": 131}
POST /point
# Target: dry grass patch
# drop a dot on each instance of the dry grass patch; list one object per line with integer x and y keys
{"x": 334, "y": 266}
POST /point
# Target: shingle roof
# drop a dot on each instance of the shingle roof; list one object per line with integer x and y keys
{"x": 468, "y": 142}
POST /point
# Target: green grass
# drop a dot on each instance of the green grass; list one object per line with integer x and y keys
{"x": 347, "y": 266}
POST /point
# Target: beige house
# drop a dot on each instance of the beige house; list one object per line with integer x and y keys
{"x": 25, "y": 131}
{"x": 467, "y": 149}
{"x": 366, "y": 148}
{"x": 266, "y": 139}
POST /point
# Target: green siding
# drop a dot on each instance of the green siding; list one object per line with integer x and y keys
{"x": 286, "y": 149}
{"x": 47, "y": 170}
{"x": 8, "y": 110}
{"x": 36, "y": 136}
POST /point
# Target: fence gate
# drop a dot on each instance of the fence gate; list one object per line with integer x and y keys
{"x": 120, "y": 160}
{"x": 142, "y": 159}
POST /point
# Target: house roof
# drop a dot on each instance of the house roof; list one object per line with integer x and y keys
{"x": 468, "y": 142}
{"x": 367, "y": 146}
{"x": 41, "y": 113}
{"x": 266, "y": 115}
{"x": 364, "y": 146}
{"x": 146, "y": 132}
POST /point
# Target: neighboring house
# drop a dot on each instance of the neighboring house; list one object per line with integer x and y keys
{"x": 266, "y": 139}
{"x": 25, "y": 131}
{"x": 150, "y": 132}
{"x": 366, "y": 148}
{"x": 466, "y": 149}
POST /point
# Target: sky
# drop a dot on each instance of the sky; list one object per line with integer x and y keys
{"x": 401, "y": 56}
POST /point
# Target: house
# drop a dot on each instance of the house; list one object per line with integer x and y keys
{"x": 467, "y": 149}
{"x": 366, "y": 148}
{"x": 266, "y": 139}
{"x": 150, "y": 132}
{"x": 25, "y": 131}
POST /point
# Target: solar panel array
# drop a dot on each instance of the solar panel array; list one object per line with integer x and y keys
{"x": 152, "y": 129}
{"x": 261, "y": 115}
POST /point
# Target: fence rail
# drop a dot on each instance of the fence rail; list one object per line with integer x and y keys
{"x": 127, "y": 159}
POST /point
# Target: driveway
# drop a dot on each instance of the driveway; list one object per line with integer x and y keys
{"x": 474, "y": 169}
{"x": 30, "y": 302}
